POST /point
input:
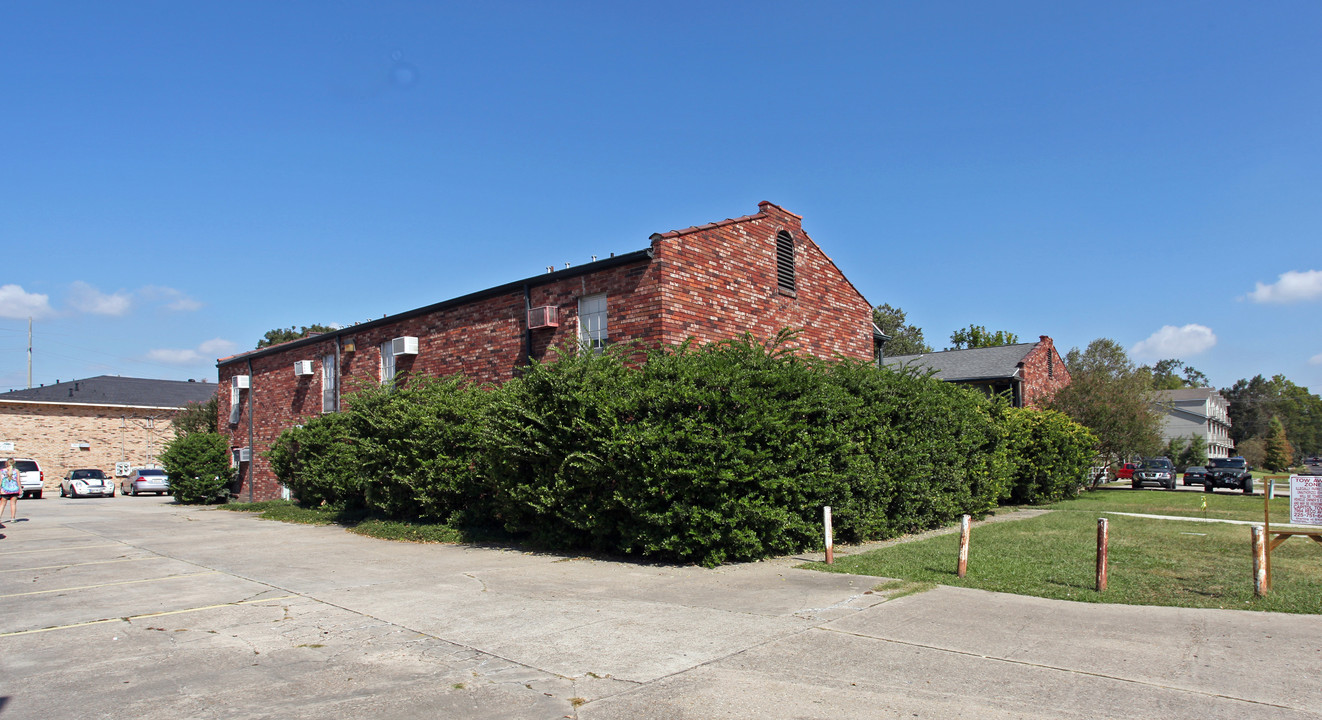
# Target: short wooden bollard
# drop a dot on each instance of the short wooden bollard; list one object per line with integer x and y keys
{"x": 826, "y": 521}
{"x": 964, "y": 545}
{"x": 1259, "y": 548}
{"x": 1103, "y": 539}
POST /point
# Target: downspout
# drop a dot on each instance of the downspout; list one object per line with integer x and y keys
{"x": 251, "y": 389}
{"x": 527, "y": 330}
{"x": 335, "y": 376}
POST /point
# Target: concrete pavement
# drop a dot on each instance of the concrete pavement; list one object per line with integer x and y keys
{"x": 138, "y": 608}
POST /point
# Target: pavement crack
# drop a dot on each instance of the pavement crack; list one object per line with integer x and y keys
{"x": 1072, "y": 671}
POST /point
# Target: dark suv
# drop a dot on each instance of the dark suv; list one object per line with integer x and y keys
{"x": 1155, "y": 471}
{"x": 1230, "y": 473}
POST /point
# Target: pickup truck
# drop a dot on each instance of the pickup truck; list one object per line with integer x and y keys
{"x": 1126, "y": 471}
{"x": 1230, "y": 473}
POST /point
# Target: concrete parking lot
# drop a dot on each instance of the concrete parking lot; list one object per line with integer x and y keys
{"x": 139, "y": 608}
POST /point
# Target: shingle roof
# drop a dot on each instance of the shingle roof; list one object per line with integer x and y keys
{"x": 975, "y": 364}
{"x": 114, "y": 390}
{"x": 1186, "y": 394}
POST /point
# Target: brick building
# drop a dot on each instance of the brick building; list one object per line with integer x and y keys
{"x": 94, "y": 423}
{"x": 757, "y": 273}
{"x": 1025, "y": 372}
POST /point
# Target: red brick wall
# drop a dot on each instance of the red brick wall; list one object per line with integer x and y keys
{"x": 1044, "y": 372}
{"x": 709, "y": 283}
{"x": 719, "y": 281}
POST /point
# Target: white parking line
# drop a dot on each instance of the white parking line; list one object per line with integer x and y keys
{"x": 98, "y": 562}
{"x": 131, "y": 618}
{"x": 124, "y": 582}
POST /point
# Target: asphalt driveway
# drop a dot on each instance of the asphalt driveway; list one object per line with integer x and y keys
{"x": 138, "y": 608}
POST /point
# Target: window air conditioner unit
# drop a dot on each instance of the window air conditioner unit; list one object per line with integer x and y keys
{"x": 543, "y": 317}
{"x": 303, "y": 368}
{"x": 242, "y": 455}
{"x": 239, "y": 382}
{"x": 404, "y": 346}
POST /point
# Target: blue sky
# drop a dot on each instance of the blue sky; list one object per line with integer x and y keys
{"x": 179, "y": 178}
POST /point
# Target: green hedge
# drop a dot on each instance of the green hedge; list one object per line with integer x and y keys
{"x": 198, "y": 465}
{"x": 708, "y": 454}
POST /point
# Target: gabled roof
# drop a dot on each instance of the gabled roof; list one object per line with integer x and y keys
{"x": 115, "y": 390}
{"x": 992, "y": 363}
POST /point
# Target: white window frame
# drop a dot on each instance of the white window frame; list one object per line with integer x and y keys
{"x": 592, "y": 326}
{"x": 388, "y": 366}
{"x": 330, "y": 395}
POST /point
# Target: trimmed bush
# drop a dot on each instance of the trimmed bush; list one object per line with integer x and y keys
{"x": 418, "y": 446}
{"x": 319, "y": 462}
{"x": 198, "y": 464}
{"x": 1049, "y": 455}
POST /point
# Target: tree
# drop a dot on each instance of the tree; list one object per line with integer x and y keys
{"x": 1164, "y": 375}
{"x": 977, "y": 336}
{"x": 196, "y": 417}
{"x": 1278, "y": 454}
{"x": 1195, "y": 453}
{"x": 905, "y": 339}
{"x": 1111, "y": 397}
{"x": 1253, "y": 450}
{"x": 280, "y": 335}
{"x": 199, "y": 467}
{"x": 1254, "y": 402}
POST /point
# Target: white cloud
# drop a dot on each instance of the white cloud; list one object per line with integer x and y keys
{"x": 88, "y": 299}
{"x": 206, "y": 352}
{"x": 1290, "y": 287}
{"x": 216, "y": 347}
{"x": 173, "y": 299}
{"x": 1176, "y": 342}
{"x": 174, "y": 357}
{"x": 1315, "y": 360}
{"x": 17, "y": 303}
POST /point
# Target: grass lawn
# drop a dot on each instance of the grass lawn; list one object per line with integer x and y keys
{"x": 1152, "y": 562}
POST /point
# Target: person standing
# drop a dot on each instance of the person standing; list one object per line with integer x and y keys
{"x": 10, "y": 490}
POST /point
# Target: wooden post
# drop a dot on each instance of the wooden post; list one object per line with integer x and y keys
{"x": 826, "y": 520}
{"x": 1103, "y": 533}
{"x": 1260, "y": 586}
{"x": 964, "y": 545}
{"x": 1267, "y": 536}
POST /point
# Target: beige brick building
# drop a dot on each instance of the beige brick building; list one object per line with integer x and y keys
{"x": 94, "y": 423}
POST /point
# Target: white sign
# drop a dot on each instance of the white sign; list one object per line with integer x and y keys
{"x": 6, "y": 447}
{"x": 122, "y": 469}
{"x": 1306, "y": 499}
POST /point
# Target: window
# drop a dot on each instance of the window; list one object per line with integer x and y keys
{"x": 387, "y": 362}
{"x": 329, "y": 379}
{"x": 1051, "y": 364}
{"x": 234, "y": 405}
{"x": 592, "y": 321}
{"x": 785, "y": 261}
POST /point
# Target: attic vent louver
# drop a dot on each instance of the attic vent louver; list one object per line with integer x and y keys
{"x": 785, "y": 261}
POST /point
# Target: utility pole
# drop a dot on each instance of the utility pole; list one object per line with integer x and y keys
{"x": 29, "y": 352}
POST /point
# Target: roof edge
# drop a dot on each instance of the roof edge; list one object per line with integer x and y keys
{"x": 627, "y": 258}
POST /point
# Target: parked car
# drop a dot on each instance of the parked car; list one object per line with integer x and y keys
{"x": 1126, "y": 471}
{"x": 145, "y": 480}
{"x": 1230, "y": 473}
{"x": 1195, "y": 475}
{"x": 86, "y": 482}
{"x": 30, "y": 476}
{"x": 1154, "y": 471}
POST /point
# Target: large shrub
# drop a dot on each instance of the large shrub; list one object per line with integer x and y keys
{"x": 319, "y": 462}
{"x": 198, "y": 464}
{"x": 1049, "y": 455}
{"x": 418, "y": 445}
{"x": 729, "y": 451}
